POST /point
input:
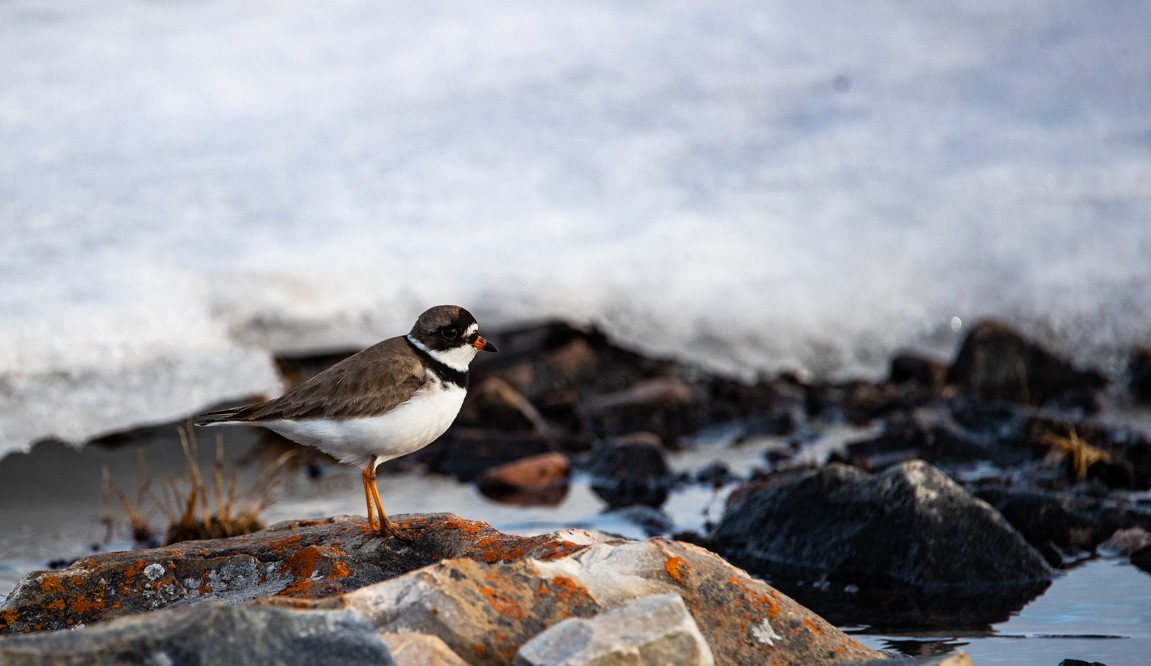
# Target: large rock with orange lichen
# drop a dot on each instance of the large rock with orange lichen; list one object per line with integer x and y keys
{"x": 483, "y": 593}
{"x": 486, "y": 611}
{"x": 299, "y": 560}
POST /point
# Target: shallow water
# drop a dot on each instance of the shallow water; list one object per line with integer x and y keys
{"x": 50, "y": 508}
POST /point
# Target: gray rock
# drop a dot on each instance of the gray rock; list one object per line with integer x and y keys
{"x": 910, "y": 524}
{"x": 210, "y": 633}
{"x": 653, "y": 630}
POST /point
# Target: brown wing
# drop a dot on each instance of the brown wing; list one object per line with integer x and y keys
{"x": 365, "y": 384}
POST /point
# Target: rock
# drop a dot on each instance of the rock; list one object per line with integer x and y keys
{"x": 914, "y": 368}
{"x": 997, "y": 363}
{"x": 1126, "y": 542}
{"x": 910, "y": 524}
{"x": 498, "y": 593}
{"x": 653, "y": 522}
{"x": 668, "y": 406}
{"x": 210, "y": 633}
{"x": 951, "y": 659}
{"x": 1139, "y": 375}
{"x": 548, "y": 360}
{"x": 412, "y": 649}
{"x": 536, "y": 480}
{"x": 486, "y": 612}
{"x": 1142, "y": 558}
{"x": 466, "y": 453}
{"x": 297, "y": 560}
{"x": 630, "y": 470}
{"x": 652, "y": 630}
{"x": 495, "y": 404}
{"x": 931, "y": 434}
{"x": 1064, "y": 519}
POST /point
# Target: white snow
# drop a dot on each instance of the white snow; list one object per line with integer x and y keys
{"x": 187, "y": 186}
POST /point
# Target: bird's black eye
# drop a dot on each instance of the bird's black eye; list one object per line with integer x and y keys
{"x": 449, "y": 332}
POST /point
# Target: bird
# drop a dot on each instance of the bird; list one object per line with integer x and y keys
{"x": 389, "y": 400}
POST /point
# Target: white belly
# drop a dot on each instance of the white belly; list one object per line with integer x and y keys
{"x": 372, "y": 440}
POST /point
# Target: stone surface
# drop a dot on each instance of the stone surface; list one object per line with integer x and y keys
{"x": 486, "y": 612}
{"x": 210, "y": 633}
{"x": 494, "y": 593}
{"x": 652, "y": 630}
{"x": 412, "y": 649}
{"x": 1139, "y": 375}
{"x": 1065, "y": 519}
{"x": 910, "y": 524}
{"x": 300, "y": 559}
{"x": 630, "y": 470}
{"x": 997, "y": 363}
{"x": 535, "y": 480}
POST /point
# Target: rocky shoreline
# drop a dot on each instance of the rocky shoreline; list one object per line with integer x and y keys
{"x": 984, "y": 477}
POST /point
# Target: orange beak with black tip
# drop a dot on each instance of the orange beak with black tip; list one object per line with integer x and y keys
{"x": 484, "y": 345}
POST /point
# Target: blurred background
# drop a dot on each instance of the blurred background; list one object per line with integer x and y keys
{"x": 187, "y": 187}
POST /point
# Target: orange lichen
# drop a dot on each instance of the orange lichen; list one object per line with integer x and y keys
{"x": 677, "y": 568}
{"x": 340, "y": 570}
{"x": 569, "y": 591}
{"x": 83, "y": 605}
{"x": 51, "y": 584}
{"x": 285, "y": 544}
{"x": 56, "y": 605}
{"x": 768, "y": 604}
{"x": 298, "y": 587}
{"x": 8, "y": 617}
{"x": 302, "y": 563}
{"x": 502, "y": 604}
{"x": 480, "y": 650}
{"x": 76, "y": 580}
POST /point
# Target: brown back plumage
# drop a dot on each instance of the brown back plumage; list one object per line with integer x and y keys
{"x": 365, "y": 384}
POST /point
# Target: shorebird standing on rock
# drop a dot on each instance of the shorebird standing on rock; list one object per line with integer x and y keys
{"x": 389, "y": 400}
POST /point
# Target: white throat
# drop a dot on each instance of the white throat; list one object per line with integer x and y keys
{"x": 456, "y": 358}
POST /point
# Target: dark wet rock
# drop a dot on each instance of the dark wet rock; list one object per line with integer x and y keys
{"x": 466, "y": 453}
{"x": 652, "y": 521}
{"x": 1064, "y": 519}
{"x": 652, "y": 630}
{"x": 933, "y": 435}
{"x": 909, "y": 525}
{"x": 299, "y": 559}
{"x": 668, "y": 406}
{"x": 995, "y": 362}
{"x": 495, "y": 404}
{"x": 551, "y": 359}
{"x": 630, "y": 470}
{"x": 210, "y": 633}
{"x": 715, "y": 474}
{"x": 1126, "y": 542}
{"x": 1142, "y": 558}
{"x": 909, "y": 367}
{"x": 1116, "y": 457}
{"x": 1139, "y": 375}
{"x": 536, "y": 480}
{"x": 1080, "y": 662}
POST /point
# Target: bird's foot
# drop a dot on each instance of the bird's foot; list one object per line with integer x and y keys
{"x": 389, "y": 529}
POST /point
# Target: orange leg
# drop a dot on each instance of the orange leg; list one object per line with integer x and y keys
{"x": 387, "y": 527}
{"x": 368, "y": 494}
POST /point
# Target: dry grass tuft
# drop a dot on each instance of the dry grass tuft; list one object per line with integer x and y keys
{"x": 198, "y": 507}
